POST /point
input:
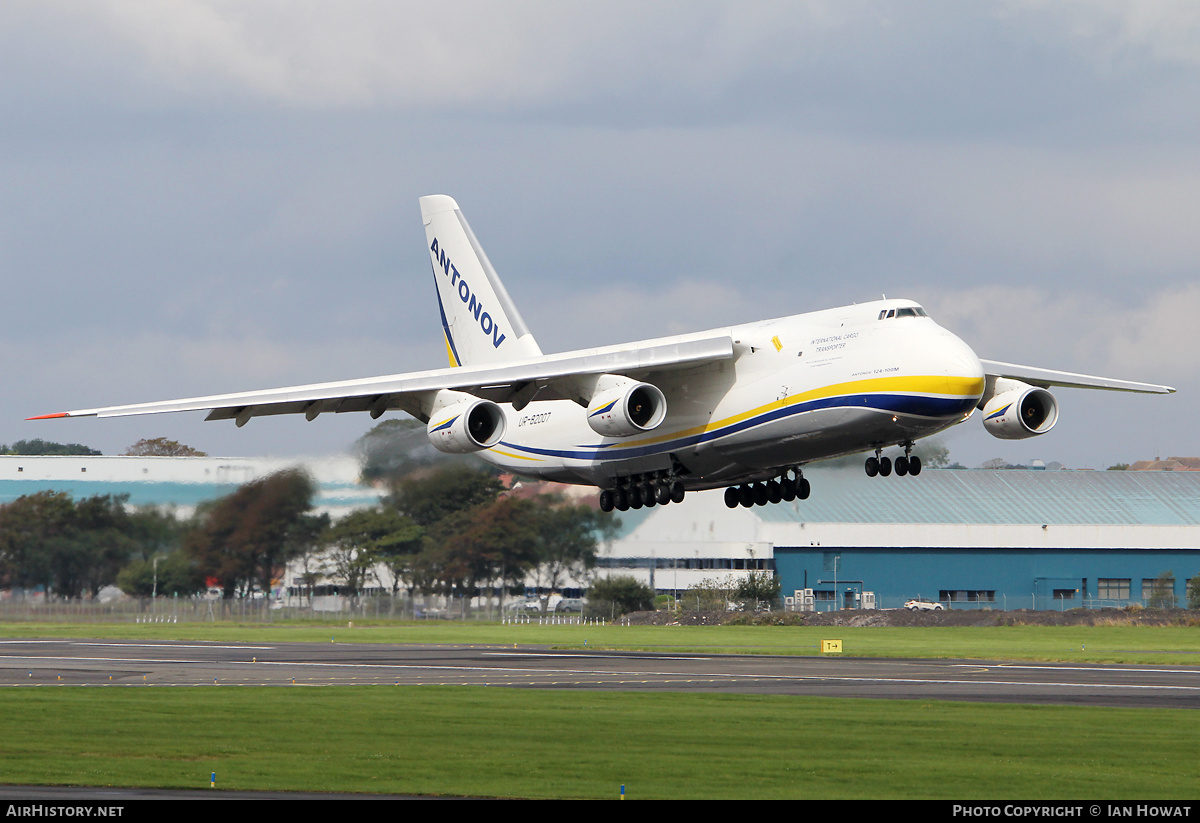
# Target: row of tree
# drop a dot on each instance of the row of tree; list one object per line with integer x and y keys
{"x": 446, "y": 529}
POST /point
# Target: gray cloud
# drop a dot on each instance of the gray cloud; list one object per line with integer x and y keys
{"x": 212, "y": 196}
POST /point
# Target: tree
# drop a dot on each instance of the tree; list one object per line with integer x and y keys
{"x": 365, "y": 537}
{"x": 244, "y": 539}
{"x": 162, "y": 447}
{"x": 430, "y": 497}
{"x": 758, "y": 589}
{"x": 493, "y": 542}
{"x": 28, "y": 527}
{"x": 68, "y": 547}
{"x": 617, "y": 595}
{"x": 397, "y": 447}
{"x": 37, "y": 446}
{"x": 566, "y": 539}
{"x": 709, "y": 595}
{"x": 1162, "y": 591}
{"x": 175, "y": 574}
{"x": 1193, "y": 592}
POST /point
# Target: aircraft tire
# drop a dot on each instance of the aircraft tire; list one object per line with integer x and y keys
{"x": 787, "y": 488}
{"x": 901, "y": 466}
{"x": 746, "y": 495}
{"x": 872, "y": 466}
{"x": 761, "y": 496}
{"x": 774, "y": 492}
{"x": 914, "y": 465}
{"x": 662, "y": 492}
{"x": 606, "y": 501}
{"x": 677, "y": 492}
{"x": 885, "y": 466}
{"x": 732, "y": 498}
{"x": 621, "y": 500}
{"x": 803, "y": 489}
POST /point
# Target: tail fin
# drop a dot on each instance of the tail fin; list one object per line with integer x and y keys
{"x": 479, "y": 319}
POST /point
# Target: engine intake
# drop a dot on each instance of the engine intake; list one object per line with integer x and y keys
{"x": 469, "y": 425}
{"x": 1017, "y": 411}
{"x": 625, "y": 407}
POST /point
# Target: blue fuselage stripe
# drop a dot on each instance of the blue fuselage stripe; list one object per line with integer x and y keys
{"x": 905, "y": 404}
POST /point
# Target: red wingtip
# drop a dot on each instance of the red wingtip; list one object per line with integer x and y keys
{"x": 48, "y": 416}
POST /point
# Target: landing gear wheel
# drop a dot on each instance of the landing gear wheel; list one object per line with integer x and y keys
{"x": 732, "y": 498}
{"x": 746, "y": 495}
{"x": 677, "y": 492}
{"x": 606, "y": 501}
{"x": 621, "y": 500}
{"x": 788, "y": 489}
{"x": 872, "y": 466}
{"x": 662, "y": 493}
{"x": 803, "y": 488}
{"x": 914, "y": 465}
{"x": 774, "y": 492}
{"x": 885, "y": 466}
{"x": 761, "y": 497}
{"x": 901, "y": 466}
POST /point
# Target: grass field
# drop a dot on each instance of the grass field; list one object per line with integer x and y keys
{"x": 496, "y": 742}
{"x": 491, "y": 742}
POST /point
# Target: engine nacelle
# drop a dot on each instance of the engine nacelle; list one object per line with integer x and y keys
{"x": 621, "y": 407}
{"x": 1017, "y": 411}
{"x": 470, "y": 425}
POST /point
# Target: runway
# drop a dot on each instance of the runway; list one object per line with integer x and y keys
{"x": 130, "y": 664}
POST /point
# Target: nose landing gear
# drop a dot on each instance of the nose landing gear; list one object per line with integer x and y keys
{"x": 909, "y": 463}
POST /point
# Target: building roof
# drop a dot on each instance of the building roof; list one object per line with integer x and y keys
{"x": 181, "y": 482}
{"x": 997, "y": 497}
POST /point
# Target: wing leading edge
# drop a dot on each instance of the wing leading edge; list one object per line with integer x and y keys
{"x": 546, "y": 378}
{"x": 1045, "y": 378}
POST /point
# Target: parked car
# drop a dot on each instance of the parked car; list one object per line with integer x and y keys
{"x": 923, "y": 606}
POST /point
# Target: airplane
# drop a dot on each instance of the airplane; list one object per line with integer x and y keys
{"x": 743, "y": 408}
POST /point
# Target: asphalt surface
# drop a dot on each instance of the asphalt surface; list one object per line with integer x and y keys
{"x": 131, "y": 664}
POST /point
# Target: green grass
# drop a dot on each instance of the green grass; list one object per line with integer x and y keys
{"x": 1174, "y": 645}
{"x": 501, "y": 742}
{"x": 493, "y": 742}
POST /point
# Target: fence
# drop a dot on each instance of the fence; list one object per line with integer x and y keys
{"x": 257, "y": 610}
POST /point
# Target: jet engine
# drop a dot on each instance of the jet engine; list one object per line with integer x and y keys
{"x": 621, "y": 407}
{"x": 1017, "y": 410}
{"x": 470, "y": 425}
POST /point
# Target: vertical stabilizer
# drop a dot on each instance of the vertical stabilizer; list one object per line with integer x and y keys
{"x": 479, "y": 319}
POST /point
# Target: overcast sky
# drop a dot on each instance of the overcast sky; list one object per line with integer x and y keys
{"x": 200, "y": 196}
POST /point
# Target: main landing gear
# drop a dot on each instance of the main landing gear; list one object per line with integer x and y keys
{"x": 642, "y": 490}
{"x": 908, "y": 464}
{"x": 773, "y": 491}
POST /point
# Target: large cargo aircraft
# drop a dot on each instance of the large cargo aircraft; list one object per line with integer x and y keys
{"x": 742, "y": 408}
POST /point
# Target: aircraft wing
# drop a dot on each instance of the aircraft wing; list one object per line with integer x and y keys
{"x": 1046, "y": 378}
{"x": 548, "y": 377}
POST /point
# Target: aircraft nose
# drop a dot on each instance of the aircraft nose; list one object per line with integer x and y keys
{"x": 959, "y": 363}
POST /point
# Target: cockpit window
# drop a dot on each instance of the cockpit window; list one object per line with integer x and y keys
{"x": 907, "y": 311}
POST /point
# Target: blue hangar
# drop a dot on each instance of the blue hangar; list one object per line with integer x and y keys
{"x": 1008, "y": 539}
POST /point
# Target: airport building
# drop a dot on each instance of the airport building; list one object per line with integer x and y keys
{"x": 965, "y": 538}
{"x": 179, "y": 482}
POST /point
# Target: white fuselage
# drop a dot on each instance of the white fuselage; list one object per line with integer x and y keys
{"x": 798, "y": 389}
